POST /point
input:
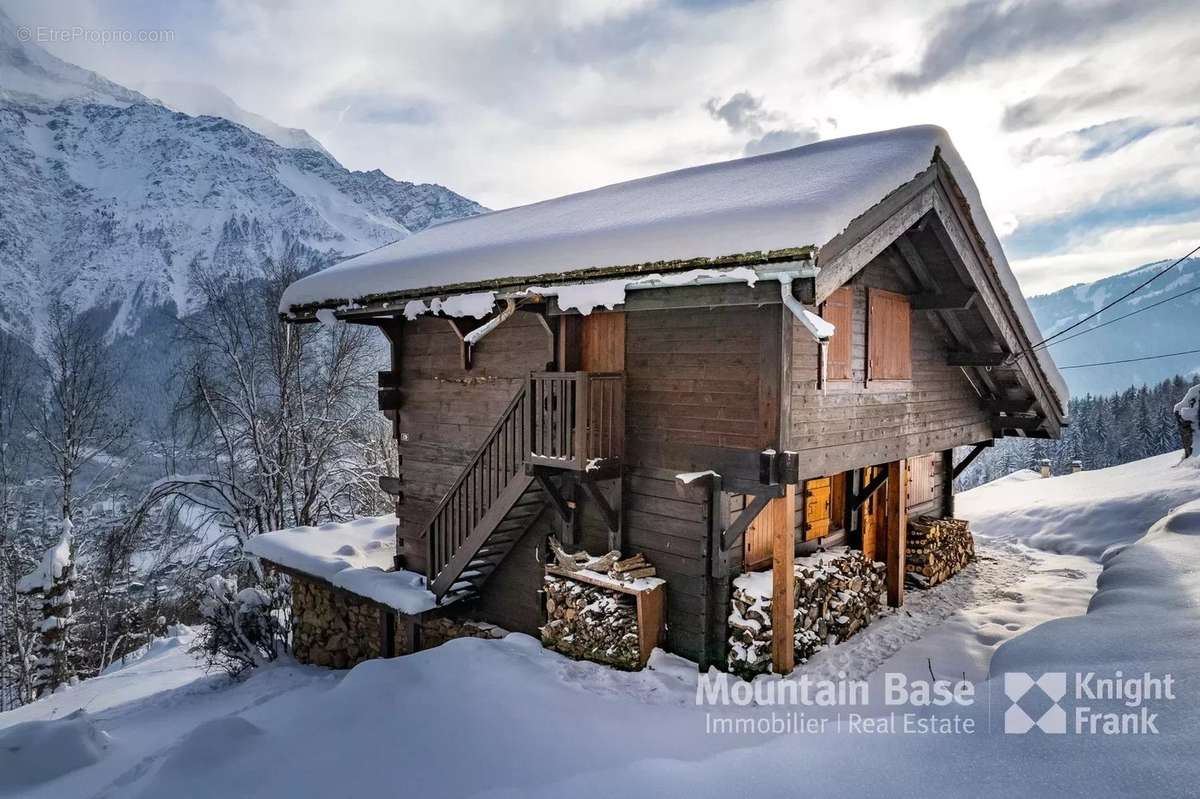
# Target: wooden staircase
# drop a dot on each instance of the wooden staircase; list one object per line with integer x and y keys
{"x": 573, "y": 421}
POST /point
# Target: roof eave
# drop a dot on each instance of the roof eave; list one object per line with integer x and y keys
{"x": 389, "y": 303}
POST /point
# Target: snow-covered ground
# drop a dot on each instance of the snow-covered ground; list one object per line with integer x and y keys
{"x": 507, "y": 718}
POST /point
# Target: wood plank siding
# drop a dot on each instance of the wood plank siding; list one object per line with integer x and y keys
{"x": 852, "y": 423}
{"x": 707, "y": 377}
{"x": 448, "y": 411}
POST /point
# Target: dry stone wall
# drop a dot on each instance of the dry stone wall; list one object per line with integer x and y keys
{"x": 331, "y": 628}
{"x": 838, "y": 592}
{"x": 437, "y": 631}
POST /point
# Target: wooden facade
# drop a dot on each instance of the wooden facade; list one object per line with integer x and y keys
{"x": 580, "y": 425}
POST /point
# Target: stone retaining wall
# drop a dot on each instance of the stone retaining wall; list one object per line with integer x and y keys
{"x": 332, "y": 628}
{"x": 837, "y": 594}
{"x": 435, "y": 632}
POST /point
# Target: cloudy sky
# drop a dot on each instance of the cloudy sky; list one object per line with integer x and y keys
{"x": 1080, "y": 121}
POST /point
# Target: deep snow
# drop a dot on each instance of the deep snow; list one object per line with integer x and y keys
{"x": 507, "y": 718}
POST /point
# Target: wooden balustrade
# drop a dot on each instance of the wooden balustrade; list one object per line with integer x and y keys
{"x": 578, "y": 419}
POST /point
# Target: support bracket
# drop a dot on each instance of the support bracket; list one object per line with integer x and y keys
{"x": 971, "y": 456}
{"x": 870, "y": 488}
{"x": 555, "y": 496}
{"x": 611, "y": 517}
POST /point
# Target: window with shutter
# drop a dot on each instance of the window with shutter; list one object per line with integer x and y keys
{"x": 889, "y": 336}
{"x": 838, "y": 310}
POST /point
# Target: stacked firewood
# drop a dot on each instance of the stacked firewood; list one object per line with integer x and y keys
{"x": 588, "y": 622}
{"x": 837, "y": 594}
{"x": 632, "y": 568}
{"x": 937, "y": 550}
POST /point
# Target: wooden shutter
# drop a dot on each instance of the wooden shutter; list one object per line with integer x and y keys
{"x": 817, "y": 508}
{"x": 889, "y": 336}
{"x": 924, "y": 475}
{"x": 838, "y": 310}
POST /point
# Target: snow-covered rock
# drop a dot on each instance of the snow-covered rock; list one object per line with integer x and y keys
{"x": 38, "y": 751}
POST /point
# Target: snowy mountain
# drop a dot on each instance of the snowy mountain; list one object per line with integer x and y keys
{"x": 110, "y": 197}
{"x": 1170, "y": 327}
{"x": 202, "y": 99}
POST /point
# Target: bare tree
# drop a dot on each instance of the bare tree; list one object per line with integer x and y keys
{"x": 284, "y": 426}
{"x": 18, "y": 544}
{"x": 79, "y": 418}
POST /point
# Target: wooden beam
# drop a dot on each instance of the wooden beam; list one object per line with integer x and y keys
{"x": 873, "y": 232}
{"x": 971, "y": 456}
{"x": 1023, "y": 423}
{"x": 948, "y": 483}
{"x": 554, "y": 495}
{"x": 611, "y": 518}
{"x": 958, "y": 299}
{"x": 1010, "y": 406}
{"x": 783, "y": 581}
{"x": 857, "y": 500}
{"x": 976, "y": 358}
{"x": 736, "y": 531}
{"x": 896, "y": 513}
{"x": 911, "y": 257}
{"x": 461, "y": 328}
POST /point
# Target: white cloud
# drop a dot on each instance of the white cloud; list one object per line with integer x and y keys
{"x": 510, "y": 103}
{"x": 1108, "y": 254}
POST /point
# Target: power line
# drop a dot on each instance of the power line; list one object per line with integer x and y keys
{"x": 1129, "y": 360}
{"x": 1124, "y": 316}
{"x": 1124, "y": 296}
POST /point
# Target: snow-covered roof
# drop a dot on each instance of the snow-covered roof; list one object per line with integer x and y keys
{"x": 768, "y": 208}
{"x": 777, "y": 202}
{"x": 355, "y": 556}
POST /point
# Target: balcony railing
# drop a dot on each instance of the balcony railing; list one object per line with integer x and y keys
{"x": 577, "y": 419}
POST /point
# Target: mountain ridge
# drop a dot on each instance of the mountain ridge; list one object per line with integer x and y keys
{"x": 1170, "y": 327}
{"x": 113, "y": 198}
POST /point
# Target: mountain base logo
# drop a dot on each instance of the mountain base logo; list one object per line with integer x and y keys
{"x": 1037, "y": 703}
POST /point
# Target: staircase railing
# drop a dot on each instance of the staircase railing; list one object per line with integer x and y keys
{"x": 490, "y": 471}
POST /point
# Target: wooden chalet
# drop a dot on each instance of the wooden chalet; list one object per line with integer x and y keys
{"x": 720, "y": 367}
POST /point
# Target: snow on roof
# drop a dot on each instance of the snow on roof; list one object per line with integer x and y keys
{"x": 355, "y": 556}
{"x": 784, "y": 201}
{"x": 791, "y": 199}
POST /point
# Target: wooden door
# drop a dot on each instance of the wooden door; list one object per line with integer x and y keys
{"x": 602, "y": 342}
{"x": 818, "y": 508}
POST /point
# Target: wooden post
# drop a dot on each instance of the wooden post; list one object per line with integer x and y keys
{"x": 781, "y": 516}
{"x": 948, "y": 483}
{"x": 896, "y": 514}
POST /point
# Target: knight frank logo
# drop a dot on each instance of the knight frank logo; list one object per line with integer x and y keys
{"x": 1026, "y": 692}
{"x": 1116, "y": 704}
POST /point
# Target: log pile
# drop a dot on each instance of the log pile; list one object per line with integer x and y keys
{"x": 588, "y": 622}
{"x": 938, "y": 549}
{"x": 632, "y": 568}
{"x": 837, "y": 594}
